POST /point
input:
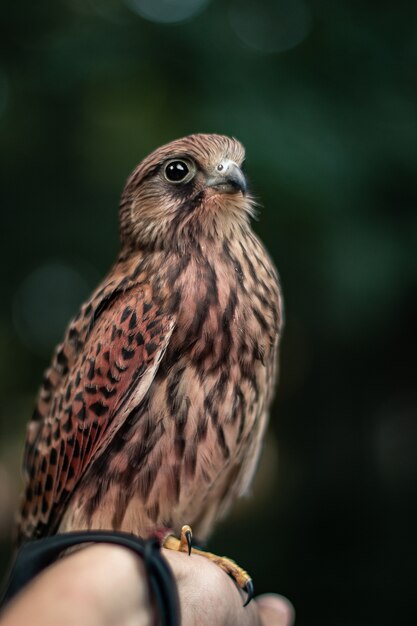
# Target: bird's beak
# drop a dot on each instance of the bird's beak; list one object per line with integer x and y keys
{"x": 227, "y": 178}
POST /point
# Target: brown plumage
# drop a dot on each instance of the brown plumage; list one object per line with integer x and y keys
{"x": 154, "y": 408}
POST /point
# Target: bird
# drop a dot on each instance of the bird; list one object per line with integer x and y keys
{"x": 151, "y": 416}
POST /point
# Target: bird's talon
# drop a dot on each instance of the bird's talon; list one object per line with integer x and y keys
{"x": 184, "y": 544}
{"x": 186, "y": 539}
{"x": 249, "y": 590}
{"x": 188, "y": 536}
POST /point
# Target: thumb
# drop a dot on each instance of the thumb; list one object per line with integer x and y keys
{"x": 275, "y": 610}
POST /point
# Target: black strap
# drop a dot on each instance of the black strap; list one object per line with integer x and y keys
{"x": 35, "y": 556}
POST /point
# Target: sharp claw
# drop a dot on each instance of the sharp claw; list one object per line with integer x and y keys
{"x": 188, "y": 537}
{"x": 249, "y": 590}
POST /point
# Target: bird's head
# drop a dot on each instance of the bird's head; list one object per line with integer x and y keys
{"x": 186, "y": 190}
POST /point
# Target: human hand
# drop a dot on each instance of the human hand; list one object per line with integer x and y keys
{"x": 208, "y": 596}
{"x": 105, "y": 585}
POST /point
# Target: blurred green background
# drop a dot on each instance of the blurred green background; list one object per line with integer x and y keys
{"x": 323, "y": 95}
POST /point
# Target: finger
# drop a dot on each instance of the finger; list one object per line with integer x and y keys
{"x": 275, "y": 610}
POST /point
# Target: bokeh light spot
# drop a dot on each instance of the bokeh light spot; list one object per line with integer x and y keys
{"x": 44, "y": 304}
{"x": 271, "y": 26}
{"x": 166, "y": 11}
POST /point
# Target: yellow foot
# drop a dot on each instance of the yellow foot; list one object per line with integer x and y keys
{"x": 184, "y": 544}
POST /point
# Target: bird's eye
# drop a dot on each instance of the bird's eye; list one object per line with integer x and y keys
{"x": 178, "y": 171}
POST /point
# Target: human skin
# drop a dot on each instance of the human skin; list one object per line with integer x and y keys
{"x": 105, "y": 585}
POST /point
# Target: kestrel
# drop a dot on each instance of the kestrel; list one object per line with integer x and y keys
{"x": 153, "y": 411}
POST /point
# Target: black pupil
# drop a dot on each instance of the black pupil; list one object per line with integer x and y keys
{"x": 177, "y": 171}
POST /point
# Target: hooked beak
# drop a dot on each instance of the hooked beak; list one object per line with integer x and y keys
{"x": 228, "y": 178}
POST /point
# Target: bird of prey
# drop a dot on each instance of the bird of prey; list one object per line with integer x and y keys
{"x": 153, "y": 411}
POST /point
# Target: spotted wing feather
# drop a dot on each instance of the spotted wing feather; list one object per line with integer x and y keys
{"x": 110, "y": 375}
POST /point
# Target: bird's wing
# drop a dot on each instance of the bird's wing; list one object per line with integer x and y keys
{"x": 115, "y": 364}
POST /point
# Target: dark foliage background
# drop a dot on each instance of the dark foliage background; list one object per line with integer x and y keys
{"x": 323, "y": 95}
